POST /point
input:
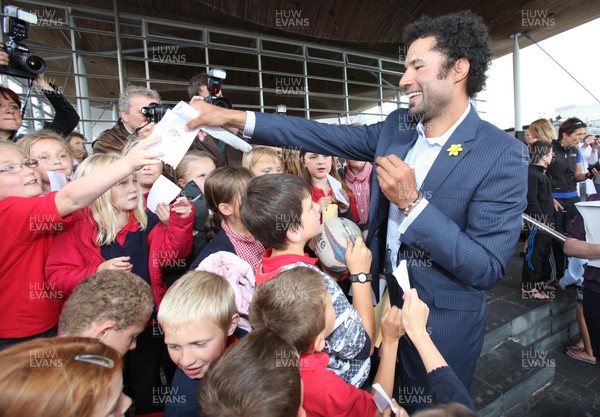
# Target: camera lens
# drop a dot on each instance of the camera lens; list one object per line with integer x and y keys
{"x": 222, "y": 102}
{"x": 30, "y": 62}
{"x": 35, "y": 64}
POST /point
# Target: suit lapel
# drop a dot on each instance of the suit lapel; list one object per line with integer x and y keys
{"x": 444, "y": 163}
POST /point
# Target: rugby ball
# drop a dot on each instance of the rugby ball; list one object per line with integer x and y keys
{"x": 332, "y": 242}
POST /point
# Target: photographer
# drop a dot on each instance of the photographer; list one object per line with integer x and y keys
{"x": 65, "y": 116}
{"x": 223, "y": 154}
{"x": 132, "y": 122}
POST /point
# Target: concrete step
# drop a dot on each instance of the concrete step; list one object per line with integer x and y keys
{"x": 520, "y": 335}
{"x": 571, "y": 394}
{"x": 536, "y": 323}
{"x": 507, "y": 375}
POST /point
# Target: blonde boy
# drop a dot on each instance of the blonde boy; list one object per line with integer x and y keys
{"x": 198, "y": 317}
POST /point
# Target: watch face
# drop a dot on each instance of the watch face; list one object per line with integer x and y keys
{"x": 362, "y": 278}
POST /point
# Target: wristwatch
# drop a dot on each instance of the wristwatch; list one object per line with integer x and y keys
{"x": 362, "y": 278}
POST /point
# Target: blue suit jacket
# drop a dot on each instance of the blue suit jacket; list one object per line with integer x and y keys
{"x": 460, "y": 244}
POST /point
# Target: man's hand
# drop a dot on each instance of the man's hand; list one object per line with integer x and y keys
{"x": 216, "y": 116}
{"x": 397, "y": 180}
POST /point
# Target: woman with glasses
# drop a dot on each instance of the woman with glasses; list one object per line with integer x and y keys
{"x": 28, "y": 223}
{"x": 62, "y": 377}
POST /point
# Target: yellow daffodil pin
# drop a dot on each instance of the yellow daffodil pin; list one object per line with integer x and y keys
{"x": 453, "y": 150}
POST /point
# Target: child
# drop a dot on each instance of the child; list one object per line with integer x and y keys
{"x": 198, "y": 318}
{"x": 279, "y": 211}
{"x": 191, "y": 175}
{"x": 29, "y": 222}
{"x": 111, "y": 306}
{"x": 316, "y": 168}
{"x": 147, "y": 176}
{"x": 358, "y": 179}
{"x": 540, "y": 206}
{"x": 262, "y": 160}
{"x": 116, "y": 232}
{"x": 51, "y": 152}
{"x": 62, "y": 377}
{"x": 257, "y": 376}
{"x": 223, "y": 190}
{"x": 292, "y": 163}
{"x": 281, "y": 305}
{"x": 76, "y": 143}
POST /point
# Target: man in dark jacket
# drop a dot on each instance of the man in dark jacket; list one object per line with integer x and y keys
{"x": 131, "y": 122}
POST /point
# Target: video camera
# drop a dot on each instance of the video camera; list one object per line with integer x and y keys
{"x": 215, "y": 77}
{"x": 154, "y": 112}
{"x": 22, "y": 63}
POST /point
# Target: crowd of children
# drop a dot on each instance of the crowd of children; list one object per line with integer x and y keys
{"x": 256, "y": 319}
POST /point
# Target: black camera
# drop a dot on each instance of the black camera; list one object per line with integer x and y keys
{"x": 22, "y": 63}
{"x": 215, "y": 78}
{"x": 596, "y": 166}
{"x": 155, "y": 112}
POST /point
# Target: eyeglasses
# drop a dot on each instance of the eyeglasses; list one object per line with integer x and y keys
{"x": 96, "y": 360}
{"x": 16, "y": 168}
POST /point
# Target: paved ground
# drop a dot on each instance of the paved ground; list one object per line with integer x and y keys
{"x": 575, "y": 390}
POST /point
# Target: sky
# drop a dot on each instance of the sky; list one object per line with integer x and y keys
{"x": 544, "y": 85}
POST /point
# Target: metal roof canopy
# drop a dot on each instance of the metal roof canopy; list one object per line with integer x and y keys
{"x": 345, "y": 53}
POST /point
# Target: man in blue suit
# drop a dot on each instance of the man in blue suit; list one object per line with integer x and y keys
{"x": 447, "y": 194}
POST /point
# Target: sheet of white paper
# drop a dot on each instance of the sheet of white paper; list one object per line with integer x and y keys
{"x": 382, "y": 400}
{"x": 227, "y": 137}
{"x": 57, "y": 180}
{"x": 176, "y": 139}
{"x": 163, "y": 191}
{"x": 401, "y": 274}
{"x": 336, "y": 186}
{"x": 590, "y": 211}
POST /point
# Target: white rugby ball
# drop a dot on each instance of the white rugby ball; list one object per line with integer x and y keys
{"x": 333, "y": 241}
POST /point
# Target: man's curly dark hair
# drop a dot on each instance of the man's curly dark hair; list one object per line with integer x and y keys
{"x": 458, "y": 35}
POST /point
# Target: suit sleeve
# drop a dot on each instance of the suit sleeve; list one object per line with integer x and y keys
{"x": 351, "y": 142}
{"x": 476, "y": 253}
